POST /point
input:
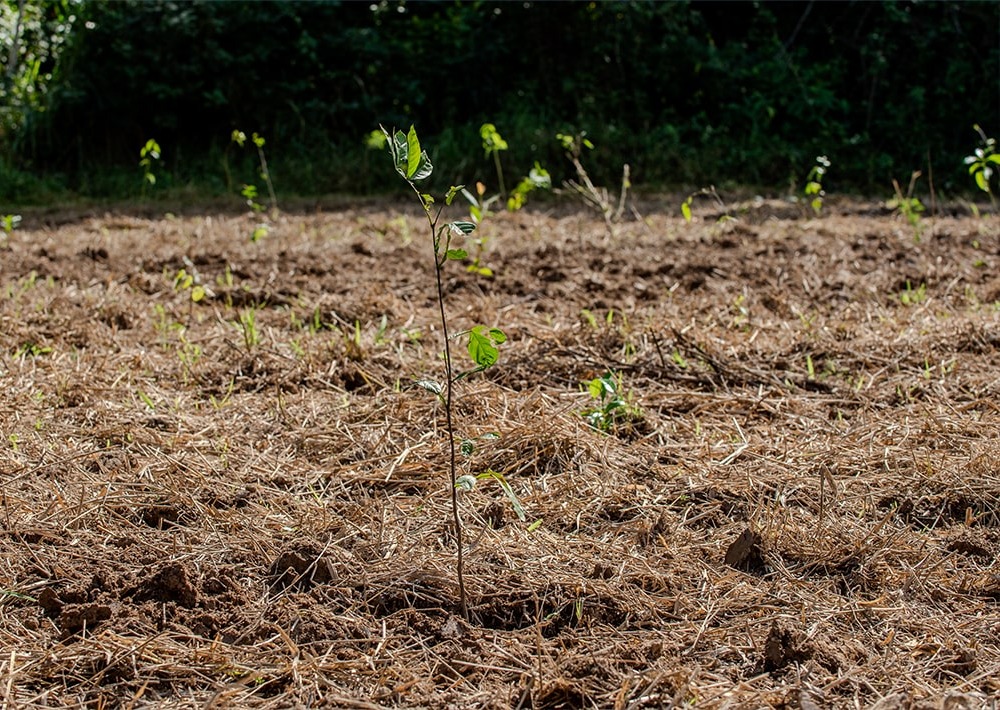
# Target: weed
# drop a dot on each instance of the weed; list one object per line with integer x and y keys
{"x": 147, "y": 155}
{"x": 981, "y": 163}
{"x": 908, "y": 206}
{"x": 597, "y": 198}
{"x": 910, "y": 296}
{"x": 814, "y": 183}
{"x": 413, "y": 164}
{"x": 31, "y": 350}
{"x": 189, "y": 354}
{"x": 247, "y": 324}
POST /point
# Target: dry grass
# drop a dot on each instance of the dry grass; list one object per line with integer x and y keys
{"x": 804, "y": 512}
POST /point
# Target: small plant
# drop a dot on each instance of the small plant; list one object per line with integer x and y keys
{"x": 910, "y": 296}
{"x": 249, "y": 191}
{"x": 413, "y": 164}
{"x": 9, "y": 223}
{"x": 493, "y": 143}
{"x": 597, "y": 198}
{"x": 184, "y": 281}
{"x": 981, "y": 163}
{"x": 908, "y": 206}
{"x": 247, "y": 324}
{"x": 814, "y": 183}
{"x": 480, "y": 205}
{"x": 611, "y": 408}
{"x": 148, "y": 154}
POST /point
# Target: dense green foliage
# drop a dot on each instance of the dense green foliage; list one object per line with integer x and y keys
{"x": 688, "y": 94}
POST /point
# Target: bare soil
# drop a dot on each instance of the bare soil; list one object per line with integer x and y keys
{"x": 798, "y": 508}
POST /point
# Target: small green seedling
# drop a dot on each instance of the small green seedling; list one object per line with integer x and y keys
{"x": 413, "y": 164}
{"x": 9, "y": 223}
{"x": 610, "y": 406}
{"x": 247, "y": 325}
{"x": 249, "y": 191}
{"x": 910, "y": 296}
{"x": 814, "y": 183}
{"x": 184, "y": 281}
{"x": 983, "y": 162}
{"x": 908, "y": 206}
{"x": 480, "y": 204}
{"x": 493, "y": 143}
{"x": 148, "y": 154}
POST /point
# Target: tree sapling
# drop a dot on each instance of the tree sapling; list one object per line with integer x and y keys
{"x": 413, "y": 164}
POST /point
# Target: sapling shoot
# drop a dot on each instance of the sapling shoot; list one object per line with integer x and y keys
{"x": 983, "y": 162}
{"x": 413, "y": 164}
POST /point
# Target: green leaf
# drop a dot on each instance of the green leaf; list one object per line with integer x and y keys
{"x": 686, "y": 211}
{"x": 146, "y": 399}
{"x": 197, "y": 293}
{"x": 468, "y": 447}
{"x": 481, "y": 348}
{"x": 423, "y": 169}
{"x": 982, "y": 182}
{"x": 456, "y": 254}
{"x": 412, "y": 153}
{"x": 462, "y": 227}
{"x": 431, "y": 386}
{"x": 399, "y": 150}
{"x": 485, "y": 271}
{"x": 535, "y": 525}
{"x": 412, "y": 160}
{"x": 452, "y": 191}
{"x": 507, "y": 491}
{"x": 498, "y": 336}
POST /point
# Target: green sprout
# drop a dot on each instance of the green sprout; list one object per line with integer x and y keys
{"x": 981, "y": 163}
{"x": 814, "y": 183}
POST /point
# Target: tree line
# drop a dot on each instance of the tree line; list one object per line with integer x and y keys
{"x": 688, "y": 93}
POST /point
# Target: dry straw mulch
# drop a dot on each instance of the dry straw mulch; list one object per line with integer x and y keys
{"x": 801, "y": 507}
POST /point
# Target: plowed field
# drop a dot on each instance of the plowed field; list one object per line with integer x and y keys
{"x": 243, "y": 501}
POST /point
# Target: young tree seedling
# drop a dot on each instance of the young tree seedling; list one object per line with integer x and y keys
{"x": 413, "y": 164}
{"x": 983, "y": 162}
{"x": 249, "y": 191}
{"x": 480, "y": 204}
{"x": 147, "y": 155}
{"x": 814, "y": 183}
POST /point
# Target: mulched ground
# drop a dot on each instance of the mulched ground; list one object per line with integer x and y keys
{"x": 798, "y": 507}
